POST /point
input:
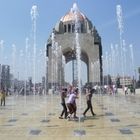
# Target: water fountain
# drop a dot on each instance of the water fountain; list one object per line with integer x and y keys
{"x": 117, "y": 60}
{"x": 25, "y": 74}
{"x": 52, "y": 61}
{"x": 63, "y": 63}
{"x": 1, "y": 51}
{"x": 132, "y": 58}
{"x": 45, "y": 86}
{"x": 107, "y": 66}
{"x": 75, "y": 10}
{"x": 14, "y": 51}
{"x": 1, "y": 58}
{"x": 53, "y": 78}
{"x": 120, "y": 27}
{"x": 34, "y": 14}
{"x": 132, "y": 65}
{"x": 112, "y": 61}
{"x": 125, "y": 57}
{"x": 60, "y": 60}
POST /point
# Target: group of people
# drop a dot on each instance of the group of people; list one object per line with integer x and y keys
{"x": 131, "y": 89}
{"x": 69, "y": 106}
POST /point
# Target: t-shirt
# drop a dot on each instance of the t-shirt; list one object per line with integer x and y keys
{"x": 71, "y": 98}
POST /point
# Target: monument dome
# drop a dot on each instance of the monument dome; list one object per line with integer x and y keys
{"x": 67, "y": 22}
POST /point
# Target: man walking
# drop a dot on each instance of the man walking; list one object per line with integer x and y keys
{"x": 89, "y": 102}
{"x": 63, "y": 96}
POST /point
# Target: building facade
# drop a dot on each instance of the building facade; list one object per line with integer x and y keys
{"x": 63, "y": 36}
{"x": 4, "y": 77}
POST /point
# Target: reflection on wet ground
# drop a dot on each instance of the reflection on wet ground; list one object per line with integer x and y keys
{"x": 117, "y": 117}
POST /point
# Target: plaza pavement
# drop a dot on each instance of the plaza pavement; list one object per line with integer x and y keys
{"x": 36, "y": 118}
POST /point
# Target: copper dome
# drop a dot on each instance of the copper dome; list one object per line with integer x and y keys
{"x": 70, "y": 16}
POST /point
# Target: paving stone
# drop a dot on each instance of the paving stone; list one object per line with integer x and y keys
{"x": 115, "y": 120}
{"x": 109, "y": 114}
{"x": 12, "y": 120}
{"x": 126, "y": 131}
{"x": 24, "y": 114}
{"x": 45, "y": 121}
{"x": 35, "y": 132}
{"x": 79, "y": 132}
{"x": 90, "y": 125}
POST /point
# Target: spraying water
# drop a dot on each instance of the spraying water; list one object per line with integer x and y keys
{"x": 124, "y": 56}
{"x": 78, "y": 59}
{"x": 13, "y": 71}
{"x": 112, "y": 60}
{"x": 60, "y": 64}
{"x": 26, "y": 65}
{"x": 1, "y": 51}
{"x": 34, "y": 14}
{"x": 132, "y": 58}
{"x": 117, "y": 59}
{"x": 120, "y": 27}
{"x": 1, "y": 59}
{"x": 78, "y": 52}
{"x": 45, "y": 86}
{"x": 53, "y": 72}
{"x": 52, "y": 60}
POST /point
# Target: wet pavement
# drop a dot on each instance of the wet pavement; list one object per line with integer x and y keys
{"x": 36, "y": 118}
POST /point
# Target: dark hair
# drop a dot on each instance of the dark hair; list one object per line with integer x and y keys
{"x": 64, "y": 89}
{"x": 76, "y": 90}
{"x": 92, "y": 90}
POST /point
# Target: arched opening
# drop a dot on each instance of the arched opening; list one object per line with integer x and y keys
{"x": 69, "y": 72}
{"x": 71, "y": 67}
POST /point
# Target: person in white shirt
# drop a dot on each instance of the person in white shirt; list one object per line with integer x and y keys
{"x": 71, "y": 103}
{"x": 126, "y": 90}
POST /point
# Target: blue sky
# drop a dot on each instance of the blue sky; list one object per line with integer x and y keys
{"x": 16, "y": 24}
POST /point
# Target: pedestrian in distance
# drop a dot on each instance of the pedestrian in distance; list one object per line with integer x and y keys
{"x": 2, "y": 97}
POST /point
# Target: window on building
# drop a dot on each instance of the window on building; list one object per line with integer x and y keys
{"x": 73, "y": 28}
{"x": 82, "y": 28}
{"x": 69, "y": 28}
{"x": 65, "y": 29}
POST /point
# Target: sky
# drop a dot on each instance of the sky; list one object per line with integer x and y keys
{"x": 16, "y": 26}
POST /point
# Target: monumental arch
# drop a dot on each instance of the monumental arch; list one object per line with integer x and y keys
{"x": 63, "y": 35}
